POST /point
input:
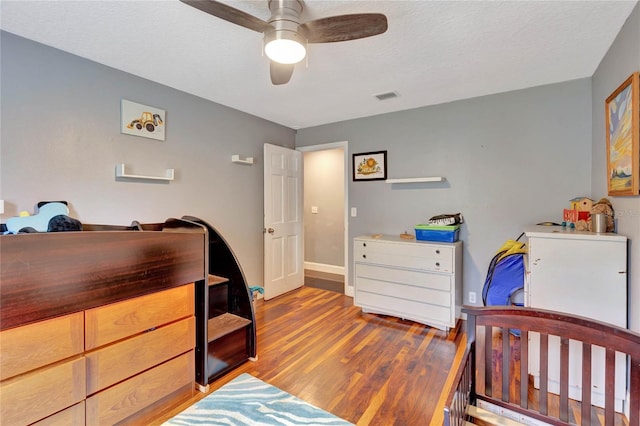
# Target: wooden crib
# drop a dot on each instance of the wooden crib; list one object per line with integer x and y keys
{"x": 487, "y": 388}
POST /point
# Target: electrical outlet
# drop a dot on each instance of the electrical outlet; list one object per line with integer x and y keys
{"x": 472, "y": 297}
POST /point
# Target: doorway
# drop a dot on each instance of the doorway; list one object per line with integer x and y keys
{"x": 325, "y": 216}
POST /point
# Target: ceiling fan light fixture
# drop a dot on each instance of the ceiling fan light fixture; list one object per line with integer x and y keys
{"x": 285, "y": 47}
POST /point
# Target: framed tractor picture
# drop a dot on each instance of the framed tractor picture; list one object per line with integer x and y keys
{"x": 142, "y": 120}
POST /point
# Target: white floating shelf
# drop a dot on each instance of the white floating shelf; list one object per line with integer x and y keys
{"x": 236, "y": 159}
{"x": 416, "y": 180}
{"x": 121, "y": 173}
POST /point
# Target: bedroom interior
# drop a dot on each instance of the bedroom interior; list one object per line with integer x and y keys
{"x": 510, "y": 155}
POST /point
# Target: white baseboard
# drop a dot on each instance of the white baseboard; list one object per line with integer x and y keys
{"x": 322, "y": 267}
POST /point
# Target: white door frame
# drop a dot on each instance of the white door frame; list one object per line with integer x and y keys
{"x": 348, "y": 290}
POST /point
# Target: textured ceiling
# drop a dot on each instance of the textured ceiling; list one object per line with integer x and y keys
{"x": 433, "y": 51}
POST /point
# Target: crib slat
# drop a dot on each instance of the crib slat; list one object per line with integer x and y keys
{"x": 609, "y": 387}
{"x": 564, "y": 379}
{"x": 586, "y": 384}
{"x": 488, "y": 356}
{"x": 524, "y": 368}
{"x": 544, "y": 373}
{"x": 506, "y": 356}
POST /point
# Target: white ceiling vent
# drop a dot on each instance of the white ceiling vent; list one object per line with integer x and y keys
{"x": 385, "y": 96}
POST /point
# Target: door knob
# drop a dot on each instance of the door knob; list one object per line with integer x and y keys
{"x": 271, "y": 230}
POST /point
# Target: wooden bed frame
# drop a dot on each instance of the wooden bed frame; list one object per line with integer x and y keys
{"x": 496, "y": 358}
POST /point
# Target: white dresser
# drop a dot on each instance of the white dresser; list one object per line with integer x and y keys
{"x": 416, "y": 280}
{"x": 581, "y": 273}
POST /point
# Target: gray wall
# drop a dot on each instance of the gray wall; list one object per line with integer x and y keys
{"x": 622, "y": 59}
{"x": 61, "y": 141}
{"x": 510, "y": 160}
{"x": 324, "y": 188}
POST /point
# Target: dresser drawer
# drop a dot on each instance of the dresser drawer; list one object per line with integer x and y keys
{"x": 419, "y": 263}
{"x": 402, "y": 291}
{"x": 118, "y": 402}
{"x": 138, "y": 353}
{"x": 113, "y": 322}
{"x": 426, "y": 280}
{"x": 72, "y": 416}
{"x": 33, "y": 396}
{"x": 408, "y": 248}
{"x": 35, "y": 345}
{"x": 425, "y": 258}
{"x": 408, "y": 309}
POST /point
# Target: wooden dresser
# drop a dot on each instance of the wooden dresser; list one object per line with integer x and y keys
{"x": 416, "y": 280}
{"x": 108, "y": 350}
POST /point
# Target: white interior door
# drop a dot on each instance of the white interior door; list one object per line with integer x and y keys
{"x": 283, "y": 247}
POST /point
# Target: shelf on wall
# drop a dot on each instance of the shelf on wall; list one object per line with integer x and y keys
{"x": 236, "y": 159}
{"x": 122, "y": 173}
{"x": 417, "y": 180}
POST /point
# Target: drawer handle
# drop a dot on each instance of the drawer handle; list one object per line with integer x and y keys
{"x": 437, "y": 251}
{"x": 438, "y": 264}
{"x": 364, "y": 244}
{"x": 364, "y": 256}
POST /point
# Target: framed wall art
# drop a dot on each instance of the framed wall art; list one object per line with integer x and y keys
{"x": 142, "y": 120}
{"x": 370, "y": 166}
{"x": 622, "y": 114}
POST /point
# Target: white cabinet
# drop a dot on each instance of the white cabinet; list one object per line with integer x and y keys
{"x": 580, "y": 273}
{"x": 416, "y": 280}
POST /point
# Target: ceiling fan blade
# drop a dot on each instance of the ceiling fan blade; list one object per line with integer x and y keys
{"x": 230, "y": 14}
{"x": 344, "y": 27}
{"x": 280, "y": 73}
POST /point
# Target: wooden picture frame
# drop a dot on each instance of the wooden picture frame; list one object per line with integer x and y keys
{"x": 368, "y": 166}
{"x": 622, "y": 114}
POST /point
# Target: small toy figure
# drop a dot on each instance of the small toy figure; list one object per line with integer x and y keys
{"x": 579, "y": 216}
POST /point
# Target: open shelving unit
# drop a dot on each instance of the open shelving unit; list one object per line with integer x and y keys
{"x": 225, "y": 320}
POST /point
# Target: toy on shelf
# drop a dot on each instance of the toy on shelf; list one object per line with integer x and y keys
{"x": 579, "y": 215}
{"x": 582, "y": 204}
{"x": 51, "y": 217}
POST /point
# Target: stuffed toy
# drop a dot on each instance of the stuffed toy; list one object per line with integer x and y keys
{"x": 39, "y": 221}
{"x": 63, "y": 223}
{"x": 51, "y": 217}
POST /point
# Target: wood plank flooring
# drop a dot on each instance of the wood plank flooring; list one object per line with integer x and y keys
{"x": 325, "y": 281}
{"x": 364, "y": 368}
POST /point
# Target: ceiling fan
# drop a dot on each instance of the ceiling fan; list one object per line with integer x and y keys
{"x": 286, "y": 38}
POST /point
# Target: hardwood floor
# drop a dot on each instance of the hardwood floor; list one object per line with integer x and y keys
{"x": 325, "y": 281}
{"x": 367, "y": 369}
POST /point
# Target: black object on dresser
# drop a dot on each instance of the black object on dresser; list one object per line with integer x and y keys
{"x": 225, "y": 320}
